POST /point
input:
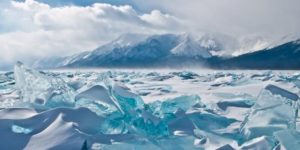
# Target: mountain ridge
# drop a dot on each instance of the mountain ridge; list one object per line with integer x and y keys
{"x": 282, "y": 57}
{"x": 172, "y": 50}
{"x": 142, "y": 50}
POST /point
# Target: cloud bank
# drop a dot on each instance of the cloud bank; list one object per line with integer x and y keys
{"x": 32, "y": 29}
{"x": 238, "y": 17}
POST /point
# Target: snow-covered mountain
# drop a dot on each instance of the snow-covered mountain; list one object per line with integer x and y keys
{"x": 139, "y": 50}
{"x": 190, "y": 48}
{"x": 282, "y": 57}
{"x": 177, "y": 50}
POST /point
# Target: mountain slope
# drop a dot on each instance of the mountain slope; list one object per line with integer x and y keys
{"x": 286, "y": 56}
{"x": 134, "y": 50}
{"x": 189, "y": 47}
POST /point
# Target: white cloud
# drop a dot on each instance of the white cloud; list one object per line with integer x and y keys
{"x": 32, "y": 29}
{"x": 159, "y": 19}
{"x": 237, "y": 16}
{"x": 261, "y": 21}
{"x": 30, "y": 5}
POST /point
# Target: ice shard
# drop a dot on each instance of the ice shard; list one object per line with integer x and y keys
{"x": 185, "y": 75}
{"x": 123, "y": 110}
{"x": 275, "y": 109}
{"x": 137, "y": 119}
{"x": 288, "y": 139}
{"x": 127, "y": 101}
{"x": 41, "y": 89}
{"x": 263, "y": 76}
{"x": 168, "y": 107}
{"x": 155, "y": 118}
{"x": 259, "y": 143}
{"x": 97, "y": 99}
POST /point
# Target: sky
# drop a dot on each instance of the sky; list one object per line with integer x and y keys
{"x": 34, "y": 29}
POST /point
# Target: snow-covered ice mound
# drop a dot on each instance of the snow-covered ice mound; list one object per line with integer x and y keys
{"x": 148, "y": 110}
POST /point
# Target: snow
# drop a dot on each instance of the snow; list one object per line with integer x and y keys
{"x": 149, "y": 109}
{"x": 190, "y": 47}
{"x": 129, "y": 39}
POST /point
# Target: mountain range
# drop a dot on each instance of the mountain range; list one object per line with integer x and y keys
{"x": 282, "y": 57}
{"x": 172, "y": 50}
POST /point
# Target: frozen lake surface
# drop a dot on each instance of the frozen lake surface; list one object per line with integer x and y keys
{"x": 149, "y": 109}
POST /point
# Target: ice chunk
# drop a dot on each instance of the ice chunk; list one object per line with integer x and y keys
{"x": 150, "y": 128}
{"x": 76, "y": 84}
{"x": 288, "y": 139}
{"x": 123, "y": 110}
{"x": 264, "y": 76}
{"x": 226, "y": 80}
{"x": 40, "y": 89}
{"x": 284, "y": 93}
{"x": 184, "y": 102}
{"x": 168, "y": 107}
{"x": 97, "y": 99}
{"x": 288, "y": 77}
{"x": 181, "y": 122}
{"x": 100, "y": 100}
{"x": 114, "y": 123}
{"x": 144, "y": 123}
{"x": 262, "y": 142}
{"x": 185, "y": 75}
{"x": 275, "y": 109}
{"x": 210, "y": 122}
{"x": 126, "y": 100}
{"x": 130, "y": 114}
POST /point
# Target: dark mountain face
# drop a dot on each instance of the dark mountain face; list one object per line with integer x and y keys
{"x": 283, "y": 57}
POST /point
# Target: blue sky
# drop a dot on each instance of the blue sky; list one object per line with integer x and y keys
{"x": 33, "y": 29}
